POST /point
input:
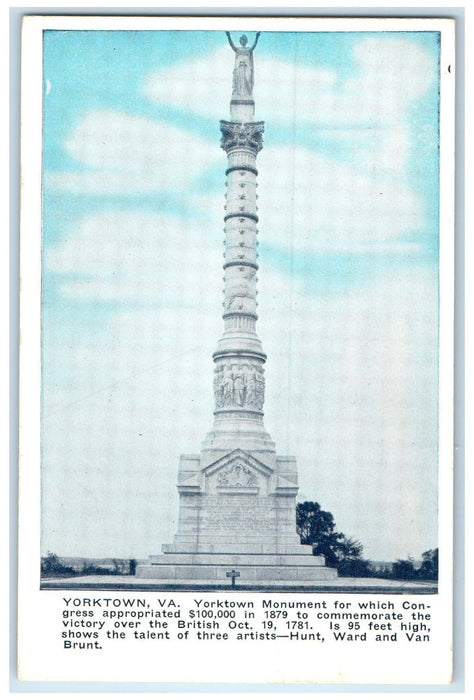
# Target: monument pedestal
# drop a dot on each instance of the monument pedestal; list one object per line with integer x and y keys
{"x": 237, "y": 512}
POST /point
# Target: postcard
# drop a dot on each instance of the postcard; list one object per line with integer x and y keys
{"x": 236, "y": 393}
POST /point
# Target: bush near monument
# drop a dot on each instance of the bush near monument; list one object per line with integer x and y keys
{"x": 428, "y": 571}
{"x": 429, "y": 566}
{"x": 53, "y": 566}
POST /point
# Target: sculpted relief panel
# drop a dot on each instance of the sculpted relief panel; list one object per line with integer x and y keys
{"x": 237, "y": 475}
{"x": 239, "y": 385}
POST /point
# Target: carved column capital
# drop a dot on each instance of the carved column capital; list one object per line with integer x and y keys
{"x": 242, "y": 135}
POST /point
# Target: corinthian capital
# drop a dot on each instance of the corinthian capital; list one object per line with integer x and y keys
{"x": 242, "y": 135}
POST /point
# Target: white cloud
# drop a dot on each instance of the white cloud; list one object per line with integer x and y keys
{"x": 132, "y": 154}
{"x": 396, "y": 68}
{"x": 201, "y": 86}
{"x": 306, "y": 196}
{"x": 137, "y": 257}
{"x": 100, "y": 182}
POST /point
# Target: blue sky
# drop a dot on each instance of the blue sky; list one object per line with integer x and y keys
{"x": 133, "y": 196}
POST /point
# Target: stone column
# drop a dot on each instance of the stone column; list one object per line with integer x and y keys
{"x": 239, "y": 383}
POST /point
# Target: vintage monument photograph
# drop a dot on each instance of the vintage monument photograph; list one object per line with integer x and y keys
{"x": 240, "y": 310}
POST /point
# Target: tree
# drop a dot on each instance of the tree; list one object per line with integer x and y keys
{"x": 117, "y": 566}
{"x": 51, "y": 565}
{"x": 429, "y": 565}
{"x": 404, "y": 569}
{"x": 350, "y": 561}
{"x": 317, "y": 528}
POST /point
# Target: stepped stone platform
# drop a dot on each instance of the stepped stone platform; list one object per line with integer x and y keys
{"x": 254, "y": 569}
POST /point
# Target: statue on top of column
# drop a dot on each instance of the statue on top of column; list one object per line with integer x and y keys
{"x": 242, "y": 86}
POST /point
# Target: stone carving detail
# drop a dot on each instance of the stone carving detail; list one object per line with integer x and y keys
{"x": 236, "y": 475}
{"x": 241, "y": 302}
{"x": 239, "y": 385}
{"x": 242, "y": 135}
{"x": 250, "y": 275}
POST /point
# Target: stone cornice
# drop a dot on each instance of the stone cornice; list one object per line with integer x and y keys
{"x": 233, "y": 314}
{"x": 239, "y": 354}
{"x": 248, "y": 168}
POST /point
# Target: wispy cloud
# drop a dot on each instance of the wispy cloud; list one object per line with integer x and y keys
{"x": 126, "y": 153}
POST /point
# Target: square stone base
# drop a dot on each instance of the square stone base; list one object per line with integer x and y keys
{"x": 237, "y": 512}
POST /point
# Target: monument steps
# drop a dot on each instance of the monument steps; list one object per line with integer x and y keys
{"x": 230, "y": 559}
{"x": 249, "y": 574}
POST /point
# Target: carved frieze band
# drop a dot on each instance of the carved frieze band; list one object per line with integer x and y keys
{"x": 239, "y": 384}
{"x": 242, "y": 135}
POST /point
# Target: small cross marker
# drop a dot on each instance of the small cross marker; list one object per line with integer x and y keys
{"x": 233, "y": 575}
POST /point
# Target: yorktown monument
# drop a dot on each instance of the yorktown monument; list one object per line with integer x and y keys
{"x": 238, "y": 497}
